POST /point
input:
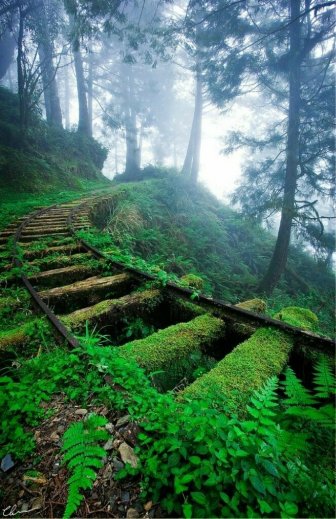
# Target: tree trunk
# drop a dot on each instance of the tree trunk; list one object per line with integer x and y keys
{"x": 197, "y": 129}
{"x": 190, "y": 167}
{"x": 280, "y": 253}
{"x": 66, "y": 98}
{"x": 132, "y": 151}
{"x": 7, "y": 47}
{"x": 90, "y": 90}
{"x": 20, "y": 74}
{"x": 83, "y": 112}
{"x": 50, "y": 90}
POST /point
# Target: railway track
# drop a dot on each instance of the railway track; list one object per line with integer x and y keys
{"x": 77, "y": 284}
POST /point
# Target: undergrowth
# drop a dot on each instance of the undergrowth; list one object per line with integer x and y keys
{"x": 166, "y": 227}
{"x": 197, "y": 459}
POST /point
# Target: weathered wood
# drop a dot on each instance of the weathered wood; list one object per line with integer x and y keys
{"x": 59, "y": 249}
{"x": 31, "y": 237}
{"x": 41, "y": 230}
{"x": 169, "y": 346}
{"x": 62, "y": 275}
{"x": 112, "y": 310}
{"x": 88, "y": 291}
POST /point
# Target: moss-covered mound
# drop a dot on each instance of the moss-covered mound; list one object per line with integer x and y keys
{"x": 248, "y": 366}
{"x": 300, "y": 317}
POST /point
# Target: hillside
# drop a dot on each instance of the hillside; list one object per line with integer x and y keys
{"x": 186, "y": 230}
{"x": 44, "y": 158}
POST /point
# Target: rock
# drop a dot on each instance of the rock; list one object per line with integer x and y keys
{"x": 81, "y": 412}
{"x": 54, "y": 437}
{"x": 123, "y": 421}
{"x": 148, "y": 506}
{"x": 117, "y": 464}
{"x": 125, "y": 497}
{"x": 109, "y": 427}
{"x": 7, "y": 463}
{"x": 24, "y": 508}
{"x": 132, "y": 513}
{"x": 109, "y": 444}
{"x": 37, "y": 503}
{"x": 116, "y": 444}
{"x": 127, "y": 455}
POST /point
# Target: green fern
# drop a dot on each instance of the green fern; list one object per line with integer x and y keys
{"x": 262, "y": 403}
{"x": 324, "y": 378}
{"x": 83, "y": 454}
{"x": 295, "y": 391}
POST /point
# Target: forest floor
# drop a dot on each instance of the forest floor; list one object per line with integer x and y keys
{"x": 38, "y": 487}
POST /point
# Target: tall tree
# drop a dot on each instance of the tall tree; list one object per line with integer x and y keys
{"x": 279, "y": 258}
{"x": 42, "y": 22}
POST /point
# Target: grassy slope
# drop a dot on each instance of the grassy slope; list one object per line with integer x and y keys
{"x": 188, "y": 230}
{"x": 43, "y": 159}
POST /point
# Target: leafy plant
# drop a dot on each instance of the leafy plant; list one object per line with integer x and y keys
{"x": 83, "y": 456}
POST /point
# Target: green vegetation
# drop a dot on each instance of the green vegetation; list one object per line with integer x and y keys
{"x": 197, "y": 459}
{"x": 83, "y": 456}
{"x": 167, "y": 349}
{"x": 252, "y": 362}
{"x": 47, "y": 158}
{"x": 167, "y": 227}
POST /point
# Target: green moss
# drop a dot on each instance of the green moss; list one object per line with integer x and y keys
{"x": 17, "y": 336}
{"x": 187, "y": 309}
{"x": 246, "y": 368}
{"x": 174, "y": 343}
{"x": 142, "y": 302}
{"x": 300, "y": 317}
{"x": 253, "y": 305}
{"x": 193, "y": 281}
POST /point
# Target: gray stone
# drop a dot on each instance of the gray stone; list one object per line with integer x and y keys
{"x": 109, "y": 444}
{"x": 7, "y": 463}
{"x": 123, "y": 420}
{"x": 132, "y": 513}
{"x": 81, "y": 412}
{"x": 127, "y": 455}
{"x": 117, "y": 464}
{"x": 109, "y": 427}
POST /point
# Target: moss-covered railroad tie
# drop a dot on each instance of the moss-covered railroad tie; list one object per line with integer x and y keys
{"x": 174, "y": 343}
{"x": 252, "y": 362}
{"x": 136, "y": 304}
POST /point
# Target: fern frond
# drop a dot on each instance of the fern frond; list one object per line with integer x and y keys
{"x": 292, "y": 443}
{"x": 324, "y": 415}
{"x": 262, "y": 402}
{"x": 295, "y": 391}
{"x": 324, "y": 378}
{"x": 82, "y": 454}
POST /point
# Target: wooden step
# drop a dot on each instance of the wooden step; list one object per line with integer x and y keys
{"x": 55, "y": 277}
{"x": 62, "y": 260}
{"x": 58, "y": 249}
{"x": 32, "y": 237}
{"x": 112, "y": 311}
{"x": 43, "y": 230}
{"x": 87, "y": 292}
